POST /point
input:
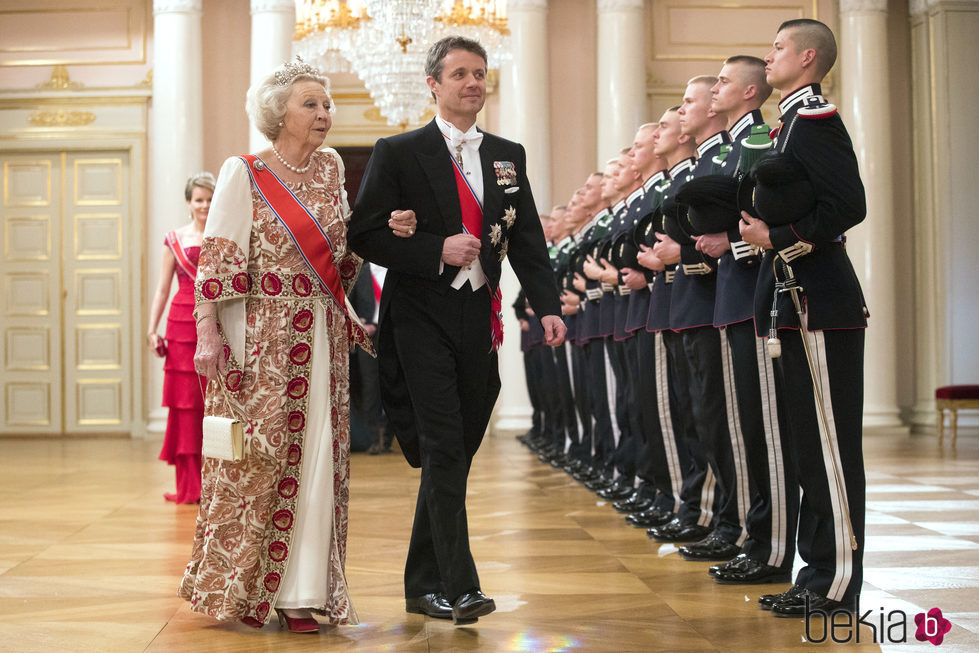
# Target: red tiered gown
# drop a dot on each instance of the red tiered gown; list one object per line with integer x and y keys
{"x": 182, "y": 390}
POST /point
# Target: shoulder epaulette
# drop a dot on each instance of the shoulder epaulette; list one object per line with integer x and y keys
{"x": 725, "y": 150}
{"x": 816, "y": 107}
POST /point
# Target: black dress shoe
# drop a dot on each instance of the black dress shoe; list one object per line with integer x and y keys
{"x": 766, "y": 601}
{"x": 471, "y": 606}
{"x": 586, "y": 474}
{"x": 635, "y": 502}
{"x": 676, "y": 531}
{"x": 734, "y": 563}
{"x": 617, "y": 491}
{"x": 434, "y": 605}
{"x": 649, "y": 518}
{"x": 573, "y": 466}
{"x": 599, "y": 483}
{"x": 808, "y": 601}
{"x": 753, "y": 572}
{"x": 560, "y": 460}
{"x": 710, "y": 548}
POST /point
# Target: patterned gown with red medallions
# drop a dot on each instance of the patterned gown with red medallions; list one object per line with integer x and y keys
{"x": 272, "y": 528}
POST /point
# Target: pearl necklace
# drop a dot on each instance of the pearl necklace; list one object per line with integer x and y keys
{"x": 292, "y": 167}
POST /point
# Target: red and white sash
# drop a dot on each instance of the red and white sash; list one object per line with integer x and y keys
{"x": 310, "y": 239}
{"x": 306, "y": 233}
{"x": 472, "y": 224}
{"x": 179, "y": 255}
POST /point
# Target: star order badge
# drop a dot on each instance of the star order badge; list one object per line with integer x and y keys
{"x": 510, "y": 216}
{"x": 506, "y": 173}
{"x": 495, "y": 233}
{"x": 506, "y": 243}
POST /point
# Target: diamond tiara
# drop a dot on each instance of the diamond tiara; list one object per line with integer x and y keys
{"x": 293, "y": 69}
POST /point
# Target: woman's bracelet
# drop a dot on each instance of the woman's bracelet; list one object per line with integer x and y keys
{"x": 205, "y": 316}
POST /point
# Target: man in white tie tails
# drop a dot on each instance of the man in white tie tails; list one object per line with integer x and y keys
{"x": 439, "y": 325}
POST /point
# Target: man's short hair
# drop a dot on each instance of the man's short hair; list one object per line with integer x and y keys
{"x": 435, "y": 59}
{"x": 673, "y": 109}
{"x": 808, "y": 33}
{"x": 707, "y": 80}
{"x": 754, "y": 74}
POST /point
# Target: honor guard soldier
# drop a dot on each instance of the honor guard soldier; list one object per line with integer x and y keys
{"x": 563, "y": 356}
{"x": 621, "y": 344}
{"x": 693, "y": 509}
{"x": 691, "y": 313}
{"x": 769, "y": 548}
{"x": 599, "y": 475}
{"x": 576, "y": 220}
{"x": 809, "y": 304}
{"x": 657, "y": 496}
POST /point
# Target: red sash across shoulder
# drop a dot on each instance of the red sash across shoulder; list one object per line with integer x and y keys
{"x": 472, "y": 224}
{"x": 179, "y": 255}
{"x": 307, "y": 234}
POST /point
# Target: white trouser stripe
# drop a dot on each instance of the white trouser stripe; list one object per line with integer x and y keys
{"x": 776, "y": 473}
{"x": 707, "y": 499}
{"x": 574, "y": 404}
{"x": 736, "y": 435}
{"x": 666, "y": 419}
{"x": 610, "y": 397}
{"x": 836, "y": 485}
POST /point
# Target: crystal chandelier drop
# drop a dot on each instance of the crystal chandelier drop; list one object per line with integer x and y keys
{"x": 385, "y": 42}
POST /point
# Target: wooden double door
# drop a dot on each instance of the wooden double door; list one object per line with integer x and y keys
{"x": 66, "y": 276}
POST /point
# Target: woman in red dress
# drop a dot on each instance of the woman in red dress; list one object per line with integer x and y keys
{"x": 182, "y": 392}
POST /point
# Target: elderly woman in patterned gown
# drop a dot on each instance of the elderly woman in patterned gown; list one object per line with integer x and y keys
{"x": 274, "y": 332}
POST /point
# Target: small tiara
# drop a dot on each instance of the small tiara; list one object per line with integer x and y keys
{"x": 293, "y": 69}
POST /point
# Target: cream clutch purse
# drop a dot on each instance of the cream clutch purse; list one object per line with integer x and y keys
{"x": 224, "y": 437}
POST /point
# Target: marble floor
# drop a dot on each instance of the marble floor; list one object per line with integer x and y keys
{"x": 90, "y": 557}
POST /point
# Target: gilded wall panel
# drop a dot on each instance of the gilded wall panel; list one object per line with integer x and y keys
{"x": 97, "y": 292}
{"x": 686, "y": 39}
{"x": 98, "y": 347}
{"x": 27, "y": 293}
{"x": 26, "y": 349}
{"x": 27, "y": 183}
{"x": 73, "y": 32}
{"x": 27, "y": 238}
{"x": 98, "y": 236}
{"x": 26, "y": 405}
{"x": 99, "y": 402}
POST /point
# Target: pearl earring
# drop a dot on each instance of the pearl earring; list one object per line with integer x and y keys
{"x": 281, "y": 124}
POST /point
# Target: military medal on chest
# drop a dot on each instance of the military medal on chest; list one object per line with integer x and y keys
{"x": 506, "y": 173}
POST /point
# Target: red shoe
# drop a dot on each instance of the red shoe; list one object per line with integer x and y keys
{"x": 252, "y": 621}
{"x": 172, "y": 498}
{"x": 297, "y": 624}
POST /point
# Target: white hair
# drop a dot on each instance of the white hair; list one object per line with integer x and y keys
{"x": 266, "y": 100}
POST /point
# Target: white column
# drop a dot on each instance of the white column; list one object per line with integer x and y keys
{"x": 865, "y": 108}
{"x": 273, "y": 24}
{"x": 944, "y": 83}
{"x": 525, "y": 118}
{"x": 929, "y": 337}
{"x": 176, "y": 110}
{"x": 621, "y": 75}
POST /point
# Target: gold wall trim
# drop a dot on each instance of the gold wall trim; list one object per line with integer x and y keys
{"x": 60, "y": 81}
{"x": 132, "y": 47}
{"x": 61, "y": 118}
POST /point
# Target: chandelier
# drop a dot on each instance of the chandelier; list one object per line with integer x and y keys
{"x": 385, "y": 41}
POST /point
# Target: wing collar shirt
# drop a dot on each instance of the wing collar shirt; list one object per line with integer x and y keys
{"x": 472, "y": 167}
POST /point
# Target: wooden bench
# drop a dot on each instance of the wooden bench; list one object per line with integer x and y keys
{"x": 952, "y": 398}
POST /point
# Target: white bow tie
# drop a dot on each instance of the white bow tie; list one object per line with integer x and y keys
{"x": 458, "y": 139}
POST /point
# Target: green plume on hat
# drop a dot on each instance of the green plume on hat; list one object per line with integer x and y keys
{"x": 753, "y": 147}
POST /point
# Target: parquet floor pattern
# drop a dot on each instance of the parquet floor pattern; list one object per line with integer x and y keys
{"x": 90, "y": 557}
